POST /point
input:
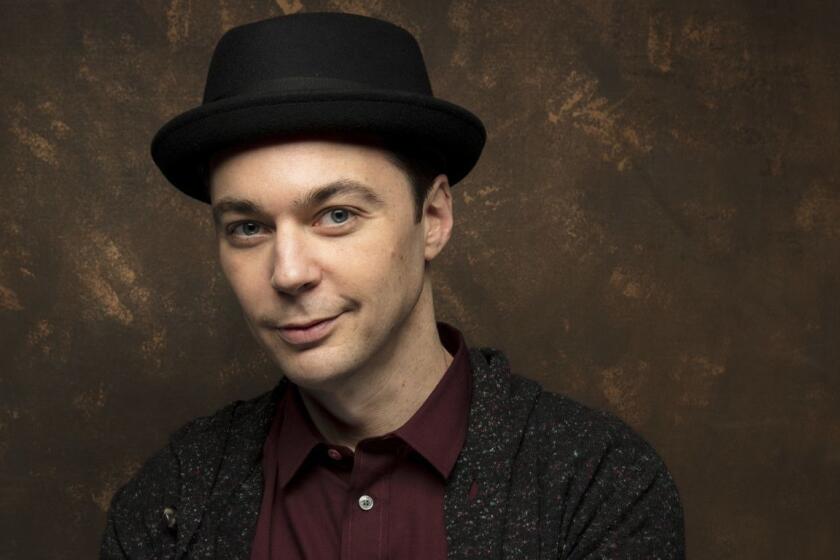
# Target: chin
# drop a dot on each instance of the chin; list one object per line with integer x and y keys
{"x": 316, "y": 367}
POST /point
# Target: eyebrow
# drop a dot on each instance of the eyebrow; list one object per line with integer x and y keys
{"x": 314, "y": 197}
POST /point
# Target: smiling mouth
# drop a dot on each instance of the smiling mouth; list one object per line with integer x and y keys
{"x": 305, "y": 325}
{"x": 308, "y": 333}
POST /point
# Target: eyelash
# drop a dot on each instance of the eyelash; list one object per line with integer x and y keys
{"x": 353, "y": 214}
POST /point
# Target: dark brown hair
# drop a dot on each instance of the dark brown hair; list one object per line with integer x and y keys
{"x": 419, "y": 163}
{"x": 420, "y": 166}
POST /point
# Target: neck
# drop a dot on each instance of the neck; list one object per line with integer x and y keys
{"x": 384, "y": 396}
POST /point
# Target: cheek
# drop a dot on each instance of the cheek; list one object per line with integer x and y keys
{"x": 373, "y": 268}
{"x": 403, "y": 263}
{"x": 243, "y": 277}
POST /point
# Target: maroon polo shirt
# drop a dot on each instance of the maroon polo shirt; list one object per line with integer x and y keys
{"x": 385, "y": 500}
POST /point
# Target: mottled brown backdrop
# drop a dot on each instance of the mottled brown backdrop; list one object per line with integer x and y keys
{"x": 653, "y": 229}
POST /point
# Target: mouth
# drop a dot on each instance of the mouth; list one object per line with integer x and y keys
{"x": 309, "y": 332}
{"x": 305, "y": 325}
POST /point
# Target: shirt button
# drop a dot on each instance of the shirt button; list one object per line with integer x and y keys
{"x": 366, "y": 502}
{"x": 334, "y": 454}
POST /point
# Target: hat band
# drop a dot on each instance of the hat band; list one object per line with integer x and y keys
{"x": 291, "y": 85}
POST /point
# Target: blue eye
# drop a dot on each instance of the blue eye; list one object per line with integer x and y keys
{"x": 340, "y": 215}
{"x": 248, "y": 228}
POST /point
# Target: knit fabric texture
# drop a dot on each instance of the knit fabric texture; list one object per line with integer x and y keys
{"x": 555, "y": 479}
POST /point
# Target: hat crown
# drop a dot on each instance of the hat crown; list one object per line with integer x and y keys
{"x": 315, "y": 73}
{"x": 315, "y": 51}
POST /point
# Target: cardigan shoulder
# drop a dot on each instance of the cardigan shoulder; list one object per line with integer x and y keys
{"x": 232, "y": 415}
{"x": 136, "y": 526}
{"x": 616, "y": 494}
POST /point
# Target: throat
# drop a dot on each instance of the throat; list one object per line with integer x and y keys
{"x": 380, "y": 406}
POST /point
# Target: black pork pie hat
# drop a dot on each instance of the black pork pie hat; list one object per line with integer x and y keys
{"x": 320, "y": 73}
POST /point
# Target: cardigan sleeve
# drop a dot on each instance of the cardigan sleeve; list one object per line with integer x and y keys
{"x": 628, "y": 505}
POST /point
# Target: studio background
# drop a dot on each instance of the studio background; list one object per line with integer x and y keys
{"x": 653, "y": 229}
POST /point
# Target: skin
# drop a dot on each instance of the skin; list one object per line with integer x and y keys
{"x": 368, "y": 261}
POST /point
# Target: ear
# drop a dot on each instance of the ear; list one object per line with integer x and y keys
{"x": 437, "y": 217}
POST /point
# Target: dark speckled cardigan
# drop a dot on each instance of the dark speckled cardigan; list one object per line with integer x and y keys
{"x": 555, "y": 480}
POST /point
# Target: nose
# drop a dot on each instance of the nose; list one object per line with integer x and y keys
{"x": 294, "y": 268}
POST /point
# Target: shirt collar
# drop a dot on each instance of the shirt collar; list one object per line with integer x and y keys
{"x": 296, "y": 437}
{"x": 444, "y": 411}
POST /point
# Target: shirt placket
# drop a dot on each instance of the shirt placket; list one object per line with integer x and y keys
{"x": 366, "y": 522}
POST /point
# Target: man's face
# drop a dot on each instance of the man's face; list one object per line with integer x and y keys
{"x": 310, "y": 230}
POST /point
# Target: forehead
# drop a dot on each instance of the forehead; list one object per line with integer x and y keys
{"x": 299, "y": 177}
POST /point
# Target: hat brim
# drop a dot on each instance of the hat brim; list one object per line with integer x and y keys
{"x": 181, "y": 147}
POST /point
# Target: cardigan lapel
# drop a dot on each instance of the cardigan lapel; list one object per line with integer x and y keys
{"x": 235, "y": 505}
{"x": 200, "y": 461}
{"x": 223, "y": 503}
{"x": 497, "y": 416}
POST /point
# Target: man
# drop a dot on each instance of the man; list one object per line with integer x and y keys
{"x": 328, "y": 165}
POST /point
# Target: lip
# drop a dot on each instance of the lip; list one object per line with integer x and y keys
{"x": 305, "y": 325}
{"x": 313, "y": 332}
